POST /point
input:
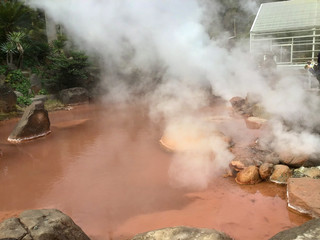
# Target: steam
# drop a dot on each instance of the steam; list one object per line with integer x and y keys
{"x": 162, "y": 50}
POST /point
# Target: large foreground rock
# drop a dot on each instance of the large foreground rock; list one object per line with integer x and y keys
{"x": 33, "y": 124}
{"x": 182, "y": 233}
{"x": 8, "y": 99}
{"x": 308, "y": 231}
{"x": 74, "y": 95}
{"x": 304, "y": 195}
{"x": 46, "y": 224}
{"x": 293, "y": 160}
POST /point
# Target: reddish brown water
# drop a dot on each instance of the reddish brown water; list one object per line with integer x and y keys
{"x": 104, "y": 167}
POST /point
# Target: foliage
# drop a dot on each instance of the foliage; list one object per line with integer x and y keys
{"x": 24, "y": 101}
{"x": 65, "y": 69}
{"x": 3, "y": 69}
{"x": 43, "y": 92}
{"x": 17, "y": 81}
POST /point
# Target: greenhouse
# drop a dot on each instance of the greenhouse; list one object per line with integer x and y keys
{"x": 290, "y": 30}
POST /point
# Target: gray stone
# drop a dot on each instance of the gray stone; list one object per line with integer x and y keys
{"x": 12, "y": 229}
{"x": 182, "y": 233}
{"x": 51, "y": 224}
{"x": 18, "y": 94}
{"x": 74, "y": 95}
{"x": 308, "y": 231}
{"x": 45, "y": 224}
{"x": 8, "y": 99}
{"x": 42, "y": 98}
{"x": 34, "y": 123}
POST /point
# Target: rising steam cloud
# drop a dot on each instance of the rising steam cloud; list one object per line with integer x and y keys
{"x": 162, "y": 50}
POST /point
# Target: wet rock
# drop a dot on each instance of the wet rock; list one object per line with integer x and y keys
{"x": 8, "y": 99}
{"x": 265, "y": 170}
{"x": 12, "y": 229}
{"x": 237, "y": 165}
{"x": 74, "y": 95}
{"x": 254, "y": 122}
{"x": 304, "y": 195}
{"x": 313, "y": 172}
{"x": 34, "y": 123}
{"x": 249, "y": 175}
{"x": 48, "y": 224}
{"x": 293, "y": 160}
{"x": 281, "y": 173}
{"x": 308, "y": 231}
{"x": 182, "y": 233}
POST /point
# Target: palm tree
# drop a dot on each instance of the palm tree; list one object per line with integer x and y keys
{"x": 13, "y": 17}
{"x": 9, "y": 48}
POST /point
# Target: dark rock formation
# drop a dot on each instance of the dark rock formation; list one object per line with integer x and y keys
{"x": 249, "y": 175}
{"x": 8, "y": 99}
{"x": 46, "y": 224}
{"x": 281, "y": 173}
{"x": 74, "y": 95}
{"x": 182, "y": 233}
{"x": 293, "y": 160}
{"x": 33, "y": 124}
{"x": 304, "y": 195}
{"x": 308, "y": 231}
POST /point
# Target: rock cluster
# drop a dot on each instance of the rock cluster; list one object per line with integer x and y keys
{"x": 48, "y": 224}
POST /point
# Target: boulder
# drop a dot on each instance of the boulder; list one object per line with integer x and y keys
{"x": 249, "y": 175}
{"x": 35, "y": 82}
{"x": 293, "y": 160}
{"x": 254, "y": 122}
{"x": 45, "y": 224}
{"x": 265, "y": 170}
{"x": 8, "y": 99}
{"x": 34, "y": 123}
{"x": 75, "y": 95}
{"x": 12, "y": 229}
{"x": 304, "y": 195}
{"x": 182, "y": 233}
{"x": 307, "y": 231}
{"x": 281, "y": 173}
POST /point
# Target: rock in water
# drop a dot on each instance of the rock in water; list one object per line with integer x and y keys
{"x": 281, "y": 174}
{"x": 182, "y": 233}
{"x": 265, "y": 170}
{"x": 33, "y": 124}
{"x": 249, "y": 175}
{"x": 304, "y": 195}
{"x": 45, "y": 224}
{"x": 74, "y": 95}
{"x": 308, "y": 231}
{"x": 254, "y": 122}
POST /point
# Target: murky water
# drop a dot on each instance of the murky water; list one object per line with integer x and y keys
{"x": 104, "y": 167}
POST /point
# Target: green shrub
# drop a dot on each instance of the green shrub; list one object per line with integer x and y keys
{"x": 17, "y": 81}
{"x": 66, "y": 71}
{"x": 24, "y": 101}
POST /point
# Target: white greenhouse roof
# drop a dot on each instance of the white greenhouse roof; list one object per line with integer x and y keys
{"x": 287, "y": 15}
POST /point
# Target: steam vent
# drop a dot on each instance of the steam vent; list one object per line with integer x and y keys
{"x": 34, "y": 123}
